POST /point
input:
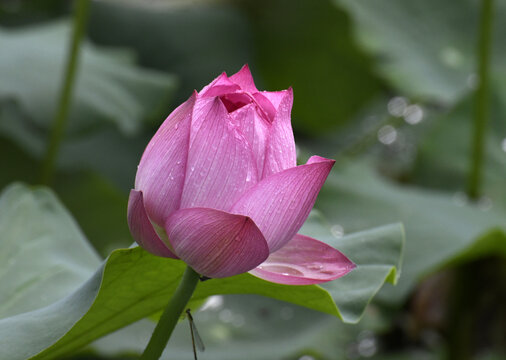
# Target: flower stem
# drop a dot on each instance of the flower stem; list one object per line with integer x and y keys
{"x": 171, "y": 315}
{"x": 59, "y": 122}
{"x": 482, "y": 100}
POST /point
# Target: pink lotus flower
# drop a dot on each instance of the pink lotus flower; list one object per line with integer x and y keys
{"x": 218, "y": 187}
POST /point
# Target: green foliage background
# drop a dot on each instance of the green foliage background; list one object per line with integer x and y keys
{"x": 346, "y": 60}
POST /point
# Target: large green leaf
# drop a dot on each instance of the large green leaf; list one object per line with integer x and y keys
{"x": 438, "y": 226}
{"x": 426, "y": 47}
{"x": 109, "y": 88}
{"x": 133, "y": 284}
{"x": 243, "y": 322}
{"x": 43, "y": 255}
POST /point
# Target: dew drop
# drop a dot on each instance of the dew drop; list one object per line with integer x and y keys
{"x": 337, "y": 231}
{"x": 387, "y": 134}
{"x": 315, "y": 267}
{"x": 397, "y": 105}
{"x": 413, "y": 114}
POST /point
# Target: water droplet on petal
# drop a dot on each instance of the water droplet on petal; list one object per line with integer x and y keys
{"x": 315, "y": 267}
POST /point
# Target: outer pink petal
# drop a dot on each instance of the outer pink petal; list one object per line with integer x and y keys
{"x": 255, "y": 130}
{"x": 219, "y": 86}
{"x": 280, "y": 153}
{"x": 221, "y": 166}
{"x": 216, "y": 243}
{"x": 304, "y": 261}
{"x": 141, "y": 228}
{"x": 161, "y": 171}
{"x": 244, "y": 79}
{"x": 280, "y": 204}
{"x": 275, "y": 97}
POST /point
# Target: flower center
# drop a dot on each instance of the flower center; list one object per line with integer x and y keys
{"x": 233, "y": 102}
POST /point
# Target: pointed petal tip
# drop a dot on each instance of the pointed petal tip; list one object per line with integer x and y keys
{"x": 244, "y": 79}
{"x": 319, "y": 159}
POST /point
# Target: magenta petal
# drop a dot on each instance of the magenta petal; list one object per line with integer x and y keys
{"x": 266, "y": 107}
{"x": 244, "y": 79}
{"x": 304, "y": 261}
{"x": 142, "y": 229}
{"x": 255, "y": 130}
{"x": 280, "y": 152}
{"x": 219, "y": 86}
{"x": 216, "y": 243}
{"x": 221, "y": 165}
{"x": 275, "y": 97}
{"x": 280, "y": 203}
{"x": 161, "y": 171}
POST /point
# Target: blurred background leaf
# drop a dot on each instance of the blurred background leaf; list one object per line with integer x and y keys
{"x": 438, "y": 227}
{"x": 385, "y": 85}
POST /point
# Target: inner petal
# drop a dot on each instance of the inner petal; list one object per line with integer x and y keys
{"x": 235, "y": 101}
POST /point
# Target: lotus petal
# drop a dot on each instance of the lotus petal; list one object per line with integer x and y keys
{"x": 216, "y": 243}
{"x": 304, "y": 261}
{"x": 280, "y": 203}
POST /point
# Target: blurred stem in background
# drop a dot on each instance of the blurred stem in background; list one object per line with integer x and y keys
{"x": 81, "y": 12}
{"x": 463, "y": 311}
{"x": 482, "y": 100}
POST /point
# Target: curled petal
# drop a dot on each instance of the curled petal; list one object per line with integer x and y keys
{"x": 142, "y": 229}
{"x": 161, "y": 172}
{"x": 280, "y": 151}
{"x": 266, "y": 107}
{"x": 280, "y": 203}
{"x": 304, "y": 261}
{"x": 221, "y": 166}
{"x": 216, "y": 243}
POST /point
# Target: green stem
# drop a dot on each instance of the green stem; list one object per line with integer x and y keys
{"x": 59, "y": 122}
{"x": 171, "y": 315}
{"x": 482, "y": 101}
